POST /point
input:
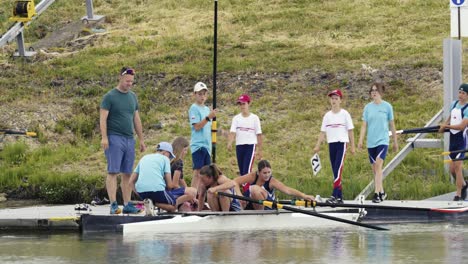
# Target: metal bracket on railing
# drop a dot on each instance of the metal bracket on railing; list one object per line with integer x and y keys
{"x": 90, "y": 16}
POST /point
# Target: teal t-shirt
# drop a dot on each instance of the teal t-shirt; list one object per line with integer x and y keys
{"x": 151, "y": 169}
{"x": 122, "y": 108}
{"x": 202, "y": 137}
{"x": 377, "y": 117}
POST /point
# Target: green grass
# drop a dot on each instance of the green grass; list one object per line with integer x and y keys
{"x": 170, "y": 44}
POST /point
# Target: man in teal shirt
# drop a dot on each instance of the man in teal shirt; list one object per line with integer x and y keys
{"x": 119, "y": 118}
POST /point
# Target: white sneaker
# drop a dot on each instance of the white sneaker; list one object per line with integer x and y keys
{"x": 149, "y": 207}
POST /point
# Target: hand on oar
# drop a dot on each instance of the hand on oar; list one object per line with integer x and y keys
{"x": 14, "y": 132}
{"x": 297, "y": 210}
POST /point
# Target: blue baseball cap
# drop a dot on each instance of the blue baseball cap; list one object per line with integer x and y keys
{"x": 166, "y": 146}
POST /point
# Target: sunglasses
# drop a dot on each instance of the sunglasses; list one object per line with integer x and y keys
{"x": 128, "y": 71}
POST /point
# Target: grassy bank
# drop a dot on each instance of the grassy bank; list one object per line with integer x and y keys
{"x": 286, "y": 54}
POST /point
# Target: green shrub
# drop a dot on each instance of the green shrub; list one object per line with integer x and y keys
{"x": 14, "y": 154}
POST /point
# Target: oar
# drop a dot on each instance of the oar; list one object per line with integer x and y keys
{"x": 14, "y": 132}
{"x": 347, "y": 205}
{"x": 431, "y": 129}
{"x": 293, "y": 209}
{"x": 454, "y": 152}
{"x": 451, "y": 160}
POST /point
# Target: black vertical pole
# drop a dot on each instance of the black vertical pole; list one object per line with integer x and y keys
{"x": 215, "y": 58}
{"x": 459, "y": 26}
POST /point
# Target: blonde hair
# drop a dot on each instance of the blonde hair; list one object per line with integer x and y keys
{"x": 178, "y": 146}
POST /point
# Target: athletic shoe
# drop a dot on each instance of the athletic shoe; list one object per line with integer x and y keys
{"x": 97, "y": 201}
{"x": 456, "y": 198}
{"x": 333, "y": 200}
{"x": 131, "y": 209}
{"x": 383, "y": 196}
{"x": 318, "y": 199}
{"x": 149, "y": 207}
{"x": 114, "y": 208}
{"x": 376, "y": 198}
{"x": 463, "y": 191}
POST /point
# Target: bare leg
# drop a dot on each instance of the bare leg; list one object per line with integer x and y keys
{"x": 111, "y": 186}
{"x": 213, "y": 202}
{"x": 189, "y": 194}
{"x": 257, "y": 193}
{"x": 225, "y": 203}
{"x": 126, "y": 190}
{"x": 195, "y": 179}
{"x": 458, "y": 170}
{"x": 378, "y": 174}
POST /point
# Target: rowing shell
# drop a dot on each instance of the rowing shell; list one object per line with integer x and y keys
{"x": 236, "y": 221}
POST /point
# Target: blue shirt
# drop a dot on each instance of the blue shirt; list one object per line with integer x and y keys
{"x": 151, "y": 170}
{"x": 377, "y": 117}
{"x": 202, "y": 137}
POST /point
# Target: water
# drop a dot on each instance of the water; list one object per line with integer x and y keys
{"x": 406, "y": 243}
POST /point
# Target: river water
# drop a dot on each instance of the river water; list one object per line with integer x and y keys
{"x": 404, "y": 243}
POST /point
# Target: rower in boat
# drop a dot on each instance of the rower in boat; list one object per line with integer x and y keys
{"x": 151, "y": 180}
{"x": 212, "y": 181}
{"x": 262, "y": 185}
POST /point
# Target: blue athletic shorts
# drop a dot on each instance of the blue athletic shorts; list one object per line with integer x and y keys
{"x": 457, "y": 142}
{"x": 164, "y": 197}
{"x": 200, "y": 158}
{"x": 178, "y": 192}
{"x": 378, "y": 152}
{"x": 120, "y": 155}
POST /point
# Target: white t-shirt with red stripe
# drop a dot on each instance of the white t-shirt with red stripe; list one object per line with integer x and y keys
{"x": 336, "y": 126}
{"x": 246, "y": 129}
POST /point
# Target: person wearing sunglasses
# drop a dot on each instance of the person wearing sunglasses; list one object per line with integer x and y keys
{"x": 119, "y": 120}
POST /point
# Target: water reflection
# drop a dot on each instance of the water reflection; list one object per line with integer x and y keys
{"x": 426, "y": 243}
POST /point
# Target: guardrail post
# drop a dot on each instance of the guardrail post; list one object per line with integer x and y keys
{"x": 90, "y": 16}
{"x": 21, "y": 50}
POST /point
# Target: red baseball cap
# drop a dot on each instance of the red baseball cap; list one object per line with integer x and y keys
{"x": 243, "y": 99}
{"x": 336, "y": 92}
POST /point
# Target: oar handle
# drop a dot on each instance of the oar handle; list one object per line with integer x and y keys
{"x": 431, "y": 129}
{"x": 14, "y": 132}
{"x": 454, "y": 152}
{"x": 452, "y": 160}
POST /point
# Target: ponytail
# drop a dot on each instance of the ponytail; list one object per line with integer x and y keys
{"x": 212, "y": 171}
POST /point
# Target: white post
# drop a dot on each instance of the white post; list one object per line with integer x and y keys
{"x": 452, "y": 79}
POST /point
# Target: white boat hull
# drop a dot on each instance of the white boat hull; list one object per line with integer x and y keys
{"x": 236, "y": 222}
